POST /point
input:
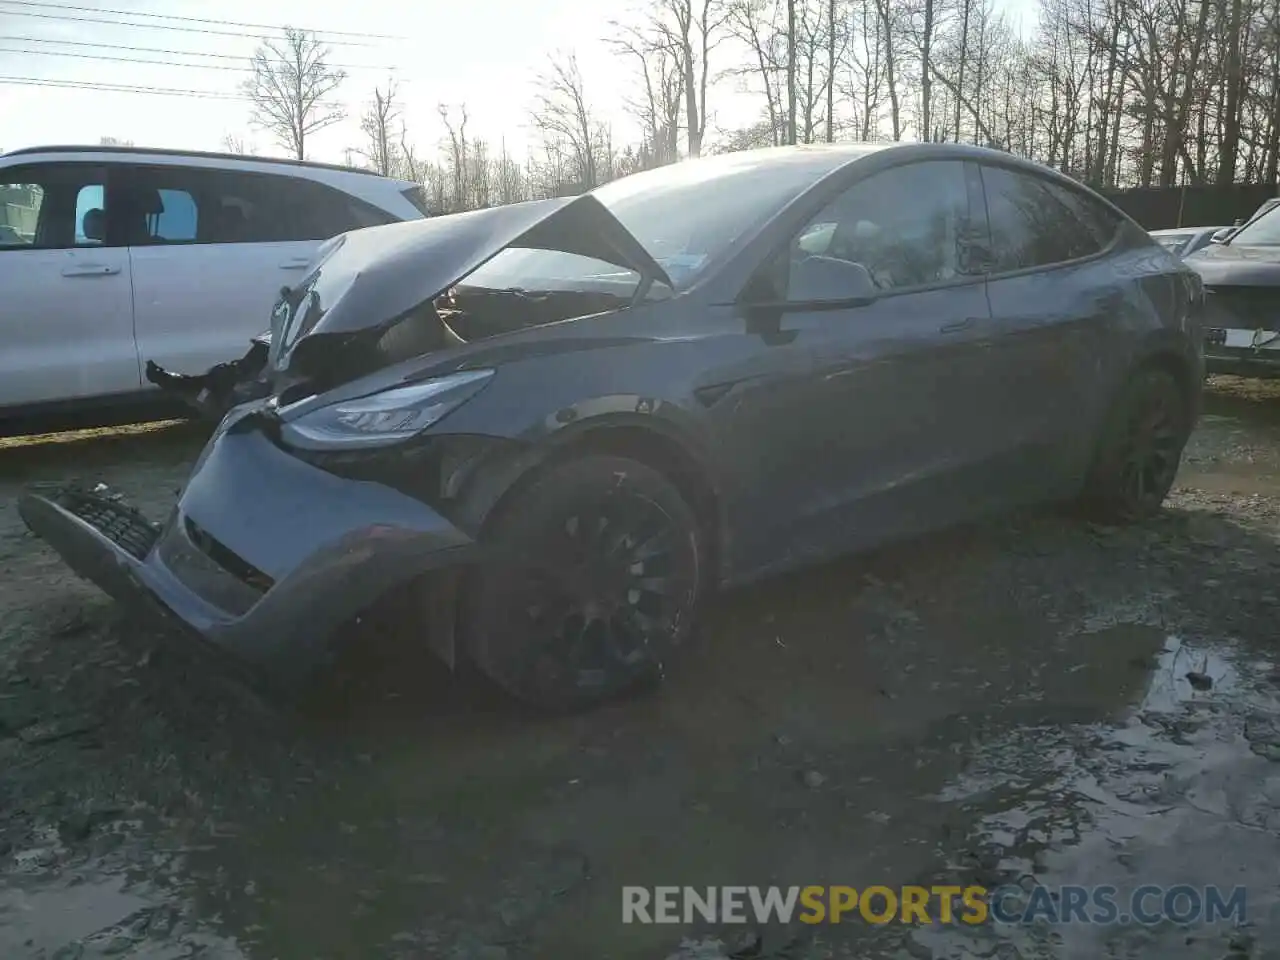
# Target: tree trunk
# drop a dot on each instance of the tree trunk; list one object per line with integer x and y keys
{"x": 1230, "y": 145}
{"x": 791, "y": 71}
{"x": 895, "y": 107}
{"x": 831, "y": 71}
{"x": 926, "y": 78}
{"x": 964, "y": 56}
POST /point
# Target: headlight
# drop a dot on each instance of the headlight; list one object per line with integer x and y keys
{"x": 385, "y": 418}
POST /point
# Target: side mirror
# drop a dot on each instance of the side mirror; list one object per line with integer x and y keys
{"x": 829, "y": 278}
{"x": 1220, "y": 236}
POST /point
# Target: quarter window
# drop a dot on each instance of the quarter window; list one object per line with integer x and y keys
{"x": 1034, "y": 223}
{"x": 903, "y": 224}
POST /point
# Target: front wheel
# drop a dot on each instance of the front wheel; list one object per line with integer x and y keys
{"x": 593, "y": 581}
{"x": 1140, "y": 449}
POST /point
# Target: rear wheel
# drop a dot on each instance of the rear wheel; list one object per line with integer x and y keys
{"x": 593, "y": 582}
{"x": 1140, "y": 449}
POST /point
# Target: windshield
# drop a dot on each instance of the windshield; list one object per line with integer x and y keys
{"x": 1261, "y": 232}
{"x": 693, "y": 212}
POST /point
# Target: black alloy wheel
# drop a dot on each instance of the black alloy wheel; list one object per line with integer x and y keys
{"x": 593, "y": 581}
{"x": 1141, "y": 449}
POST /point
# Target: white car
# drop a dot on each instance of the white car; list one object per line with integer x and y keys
{"x": 113, "y": 256}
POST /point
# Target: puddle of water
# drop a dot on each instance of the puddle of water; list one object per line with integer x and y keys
{"x": 97, "y": 911}
{"x": 46, "y": 917}
{"x": 1175, "y": 793}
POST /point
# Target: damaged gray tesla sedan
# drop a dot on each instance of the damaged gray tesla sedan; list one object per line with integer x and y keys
{"x": 555, "y": 426}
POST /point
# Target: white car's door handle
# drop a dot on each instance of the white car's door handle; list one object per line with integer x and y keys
{"x": 91, "y": 270}
{"x": 295, "y": 264}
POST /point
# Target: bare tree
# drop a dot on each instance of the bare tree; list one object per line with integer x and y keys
{"x": 563, "y": 118}
{"x": 751, "y": 23}
{"x": 661, "y": 85}
{"x": 236, "y": 144}
{"x": 408, "y": 167}
{"x": 457, "y": 147}
{"x": 290, "y": 81}
{"x": 791, "y": 71}
{"x": 377, "y": 124}
{"x": 693, "y": 28}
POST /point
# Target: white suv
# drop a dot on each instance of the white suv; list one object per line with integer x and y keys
{"x": 113, "y": 256}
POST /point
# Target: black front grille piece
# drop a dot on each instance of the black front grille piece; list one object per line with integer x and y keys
{"x": 124, "y": 526}
{"x": 226, "y": 558}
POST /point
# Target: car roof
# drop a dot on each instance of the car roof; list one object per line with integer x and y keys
{"x": 824, "y": 158}
{"x": 169, "y": 152}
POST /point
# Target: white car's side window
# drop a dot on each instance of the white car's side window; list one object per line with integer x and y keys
{"x": 173, "y": 204}
{"x": 52, "y": 206}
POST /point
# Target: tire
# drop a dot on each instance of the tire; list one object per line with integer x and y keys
{"x": 563, "y": 620}
{"x": 1139, "y": 450}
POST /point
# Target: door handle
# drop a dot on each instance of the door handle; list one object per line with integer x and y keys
{"x": 91, "y": 270}
{"x": 296, "y": 264}
{"x": 958, "y": 325}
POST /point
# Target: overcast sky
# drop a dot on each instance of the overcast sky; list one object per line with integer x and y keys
{"x": 485, "y": 53}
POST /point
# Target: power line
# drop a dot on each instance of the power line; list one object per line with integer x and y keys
{"x": 172, "y": 63}
{"x": 239, "y": 58}
{"x": 119, "y": 88}
{"x": 153, "y": 91}
{"x": 169, "y": 16}
{"x": 161, "y": 26}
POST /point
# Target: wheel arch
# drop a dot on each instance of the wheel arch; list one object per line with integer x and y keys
{"x": 655, "y": 442}
{"x": 1173, "y": 362}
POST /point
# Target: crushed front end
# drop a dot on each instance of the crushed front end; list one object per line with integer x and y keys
{"x": 264, "y": 555}
{"x": 322, "y": 490}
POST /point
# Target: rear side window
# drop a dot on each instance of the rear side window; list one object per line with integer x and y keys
{"x": 53, "y": 206}
{"x": 1033, "y": 225}
{"x": 184, "y": 205}
{"x": 1101, "y": 222}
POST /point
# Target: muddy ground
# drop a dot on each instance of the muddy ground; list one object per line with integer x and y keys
{"x": 1007, "y": 703}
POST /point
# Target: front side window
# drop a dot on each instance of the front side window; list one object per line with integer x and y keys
{"x": 903, "y": 225}
{"x": 52, "y": 207}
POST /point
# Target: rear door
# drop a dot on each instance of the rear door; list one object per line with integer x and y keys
{"x": 1054, "y": 300}
{"x": 66, "y": 306}
{"x": 210, "y": 250}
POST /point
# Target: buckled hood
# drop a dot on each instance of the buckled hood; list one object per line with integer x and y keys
{"x": 366, "y": 279}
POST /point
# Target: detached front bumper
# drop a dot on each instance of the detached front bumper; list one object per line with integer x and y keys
{"x": 263, "y": 556}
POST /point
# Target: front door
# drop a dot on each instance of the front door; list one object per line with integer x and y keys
{"x": 66, "y": 302}
{"x": 860, "y": 424}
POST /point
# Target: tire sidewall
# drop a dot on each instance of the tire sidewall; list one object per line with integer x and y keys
{"x": 556, "y": 490}
{"x": 1104, "y": 493}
